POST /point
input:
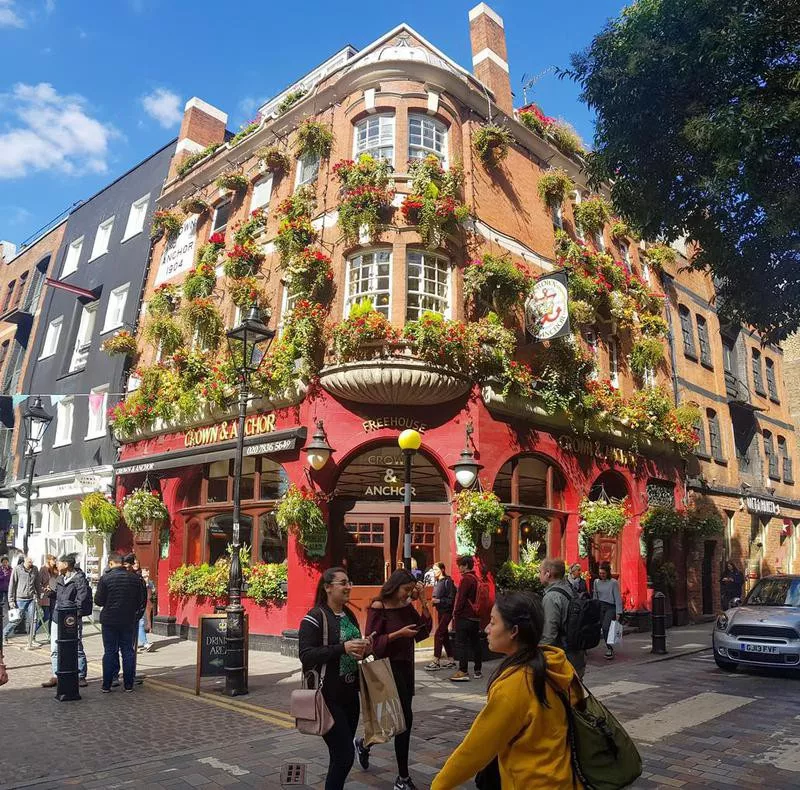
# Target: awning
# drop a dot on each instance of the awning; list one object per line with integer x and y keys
{"x": 266, "y": 444}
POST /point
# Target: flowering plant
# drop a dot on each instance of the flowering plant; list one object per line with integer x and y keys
{"x": 243, "y": 260}
{"x": 245, "y": 131}
{"x": 661, "y": 521}
{"x": 274, "y": 160}
{"x": 299, "y": 512}
{"x": 518, "y": 379}
{"x": 99, "y": 513}
{"x": 490, "y": 346}
{"x": 495, "y": 283}
{"x": 122, "y": 342}
{"x": 164, "y": 332}
{"x": 601, "y": 399}
{"x": 592, "y": 214}
{"x": 362, "y": 208}
{"x": 535, "y": 120}
{"x": 553, "y": 186}
{"x": 246, "y": 291}
{"x": 165, "y": 221}
{"x": 477, "y": 512}
{"x": 364, "y": 172}
{"x": 290, "y": 99}
{"x": 190, "y": 161}
{"x": 142, "y": 508}
{"x": 246, "y": 231}
{"x": 660, "y": 255}
{"x": 647, "y": 354}
{"x": 491, "y": 142}
{"x": 313, "y": 138}
{"x": 363, "y": 325}
{"x": 310, "y": 275}
{"x": 217, "y": 239}
{"x": 200, "y": 281}
{"x": 194, "y": 205}
{"x": 439, "y": 341}
{"x": 600, "y": 517}
{"x": 294, "y": 235}
{"x": 234, "y": 181}
{"x": 163, "y": 301}
{"x": 202, "y": 318}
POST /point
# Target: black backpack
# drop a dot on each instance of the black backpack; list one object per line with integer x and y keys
{"x": 584, "y": 621}
{"x": 88, "y": 603}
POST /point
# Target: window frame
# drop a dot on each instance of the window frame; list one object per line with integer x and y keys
{"x": 770, "y": 455}
{"x": 9, "y": 296}
{"x": 99, "y": 431}
{"x": 221, "y": 228}
{"x": 45, "y": 353}
{"x": 772, "y": 382}
{"x": 704, "y": 342}
{"x": 267, "y": 177}
{"x": 448, "y": 309}
{"x": 91, "y": 307}
{"x": 72, "y": 257}
{"x": 96, "y": 252}
{"x": 107, "y": 326}
{"x": 701, "y": 450}
{"x": 687, "y": 332}
{"x": 421, "y": 147}
{"x": 64, "y": 407}
{"x": 138, "y": 210}
{"x": 368, "y": 294}
{"x": 301, "y": 165}
{"x": 613, "y": 363}
{"x": 380, "y": 118}
{"x": 717, "y": 453}
{"x": 758, "y": 378}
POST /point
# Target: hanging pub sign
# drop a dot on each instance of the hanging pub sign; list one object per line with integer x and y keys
{"x": 764, "y": 507}
{"x": 547, "y": 308}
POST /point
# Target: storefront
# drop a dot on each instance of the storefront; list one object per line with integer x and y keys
{"x": 540, "y": 476}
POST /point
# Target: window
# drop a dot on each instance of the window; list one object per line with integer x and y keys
{"x": 625, "y": 254}
{"x": 98, "y": 406}
{"x": 687, "y": 332}
{"x": 728, "y": 355}
{"x": 307, "y": 169}
{"x": 700, "y": 432}
{"x": 557, "y": 215}
{"x": 772, "y": 386}
{"x": 369, "y": 277}
{"x": 262, "y": 192}
{"x": 9, "y": 295}
{"x": 590, "y": 336}
{"x": 220, "y": 535}
{"x": 599, "y": 241}
{"x": 116, "y": 307}
{"x": 221, "y": 214}
{"x": 273, "y": 543}
{"x": 649, "y": 378}
{"x": 576, "y": 199}
{"x": 758, "y": 381}
{"x": 21, "y": 289}
{"x": 375, "y": 136}
{"x": 646, "y": 273}
{"x": 770, "y": 456}
{"x": 83, "y": 339}
{"x": 428, "y": 285}
{"x": 102, "y": 238}
{"x": 64, "y": 411}
{"x": 136, "y": 217}
{"x": 426, "y": 136}
{"x": 714, "y": 437}
{"x": 786, "y": 461}
{"x": 705, "y": 346}
{"x": 72, "y": 257}
{"x": 52, "y": 337}
{"x": 35, "y": 288}
{"x": 613, "y": 363}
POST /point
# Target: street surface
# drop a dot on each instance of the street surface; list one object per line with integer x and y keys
{"x": 696, "y": 726}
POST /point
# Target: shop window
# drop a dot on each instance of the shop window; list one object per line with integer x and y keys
{"x": 687, "y": 332}
{"x": 758, "y": 381}
{"x": 219, "y": 532}
{"x": 274, "y": 481}
{"x": 364, "y": 550}
{"x": 531, "y": 481}
{"x": 428, "y": 285}
{"x": 772, "y": 386}
{"x": 369, "y": 277}
{"x": 375, "y": 136}
{"x": 260, "y": 475}
{"x": 218, "y": 482}
{"x": 426, "y": 136}
{"x": 273, "y": 543}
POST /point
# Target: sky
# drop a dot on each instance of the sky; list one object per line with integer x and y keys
{"x": 89, "y": 88}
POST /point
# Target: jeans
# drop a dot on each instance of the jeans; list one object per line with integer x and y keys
{"x": 118, "y": 639}
{"x": 608, "y": 612}
{"x": 339, "y": 740}
{"x": 441, "y": 637}
{"x": 3, "y": 598}
{"x": 468, "y": 636}
{"x": 82, "y": 665}
{"x": 27, "y": 610}
{"x": 403, "y": 672}
{"x": 142, "y": 638}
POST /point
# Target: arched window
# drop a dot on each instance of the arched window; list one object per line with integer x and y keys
{"x": 426, "y": 136}
{"x": 375, "y": 136}
{"x": 428, "y": 284}
{"x": 369, "y": 276}
{"x": 687, "y": 331}
{"x": 530, "y": 481}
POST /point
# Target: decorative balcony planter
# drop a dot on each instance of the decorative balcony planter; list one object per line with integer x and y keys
{"x": 397, "y": 381}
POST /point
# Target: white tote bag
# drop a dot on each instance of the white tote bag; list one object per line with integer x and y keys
{"x": 614, "y": 633}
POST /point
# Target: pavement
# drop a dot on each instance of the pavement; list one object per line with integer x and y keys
{"x": 696, "y": 726}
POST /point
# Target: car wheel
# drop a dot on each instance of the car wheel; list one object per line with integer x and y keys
{"x": 728, "y": 666}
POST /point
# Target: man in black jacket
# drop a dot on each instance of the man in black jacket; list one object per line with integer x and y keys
{"x": 122, "y": 597}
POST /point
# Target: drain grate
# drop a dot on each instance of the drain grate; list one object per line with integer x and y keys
{"x": 293, "y": 774}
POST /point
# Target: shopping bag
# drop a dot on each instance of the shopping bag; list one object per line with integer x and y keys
{"x": 381, "y": 710}
{"x": 14, "y": 615}
{"x": 614, "y": 633}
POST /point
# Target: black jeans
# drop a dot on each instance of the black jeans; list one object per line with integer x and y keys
{"x": 118, "y": 639}
{"x": 403, "y": 672}
{"x": 468, "y": 637}
{"x": 339, "y": 740}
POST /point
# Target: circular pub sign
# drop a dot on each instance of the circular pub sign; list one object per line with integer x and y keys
{"x": 546, "y": 311}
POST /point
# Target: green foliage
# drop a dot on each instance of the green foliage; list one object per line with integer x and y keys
{"x": 602, "y": 518}
{"x": 194, "y": 205}
{"x": 592, "y": 214}
{"x": 653, "y": 325}
{"x": 122, "y": 342}
{"x": 497, "y": 284}
{"x": 168, "y": 222}
{"x": 659, "y": 256}
{"x": 204, "y": 581}
{"x": 290, "y": 99}
{"x": 553, "y": 186}
{"x": 363, "y": 326}
{"x": 566, "y": 139}
{"x": 164, "y": 332}
{"x": 142, "y": 507}
{"x": 187, "y": 164}
{"x": 314, "y": 139}
{"x": 514, "y": 576}
{"x": 491, "y": 142}
{"x": 235, "y": 181}
{"x": 266, "y": 582}
{"x": 99, "y": 514}
{"x": 647, "y": 354}
{"x": 274, "y": 160}
{"x": 477, "y": 512}
{"x": 200, "y": 281}
{"x": 661, "y": 522}
{"x": 299, "y": 512}
{"x": 202, "y": 317}
{"x": 163, "y": 301}
{"x": 704, "y": 520}
{"x": 245, "y": 131}
{"x": 698, "y": 121}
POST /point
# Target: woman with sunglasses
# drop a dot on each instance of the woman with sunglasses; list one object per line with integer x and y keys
{"x": 338, "y": 656}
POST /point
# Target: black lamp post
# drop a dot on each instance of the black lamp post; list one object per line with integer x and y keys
{"x": 248, "y": 343}
{"x": 467, "y": 468}
{"x": 35, "y": 422}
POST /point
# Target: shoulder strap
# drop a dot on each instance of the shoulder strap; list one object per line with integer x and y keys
{"x": 563, "y": 592}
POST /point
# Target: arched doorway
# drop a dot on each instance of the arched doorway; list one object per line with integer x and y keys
{"x": 609, "y": 486}
{"x": 366, "y": 517}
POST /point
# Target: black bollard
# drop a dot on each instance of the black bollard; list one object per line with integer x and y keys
{"x": 659, "y": 624}
{"x": 67, "y": 674}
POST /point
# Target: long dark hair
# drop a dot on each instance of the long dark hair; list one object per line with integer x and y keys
{"x": 328, "y": 577}
{"x": 524, "y": 610}
{"x": 400, "y": 577}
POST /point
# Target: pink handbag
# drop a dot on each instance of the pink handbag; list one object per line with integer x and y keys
{"x": 307, "y": 705}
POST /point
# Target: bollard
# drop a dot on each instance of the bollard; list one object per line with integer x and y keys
{"x": 659, "y": 622}
{"x": 67, "y": 673}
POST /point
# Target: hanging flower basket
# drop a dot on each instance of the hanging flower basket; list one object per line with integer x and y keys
{"x": 553, "y": 187}
{"x": 477, "y": 512}
{"x": 603, "y": 518}
{"x": 274, "y": 160}
{"x": 491, "y": 142}
{"x": 234, "y": 182}
{"x": 122, "y": 342}
{"x": 166, "y": 222}
{"x": 194, "y": 205}
{"x": 314, "y": 139}
{"x": 244, "y": 260}
{"x": 299, "y": 513}
{"x": 200, "y": 281}
{"x": 592, "y": 214}
{"x": 99, "y": 514}
{"x": 143, "y": 510}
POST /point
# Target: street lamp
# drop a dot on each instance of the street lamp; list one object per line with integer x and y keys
{"x": 35, "y": 421}
{"x": 409, "y": 441}
{"x": 248, "y": 344}
{"x": 467, "y": 467}
{"x": 318, "y": 451}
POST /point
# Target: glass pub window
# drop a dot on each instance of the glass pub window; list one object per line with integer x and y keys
{"x": 369, "y": 277}
{"x": 426, "y": 136}
{"x": 428, "y": 285}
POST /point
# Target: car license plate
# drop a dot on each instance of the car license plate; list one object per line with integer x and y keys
{"x": 758, "y": 648}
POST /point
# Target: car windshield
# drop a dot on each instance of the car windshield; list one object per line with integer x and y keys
{"x": 775, "y": 592}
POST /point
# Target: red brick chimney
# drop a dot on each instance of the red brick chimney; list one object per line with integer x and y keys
{"x": 489, "y": 56}
{"x": 202, "y": 125}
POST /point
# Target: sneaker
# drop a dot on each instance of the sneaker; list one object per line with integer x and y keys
{"x": 609, "y": 653}
{"x": 50, "y": 683}
{"x": 128, "y": 689}
{"x": 433, "y": 666}
{"x": 362, "y": 753}
{"x": 148, "y": 647}
{"x": 404, "y": 784}
{"x": 115, "y": 683}
{"x": 83, "y": 683}
{"x": 449, "y": 664}
{"x": 477, "y": 675}
{"x": 460, "y": 677}
{"x": 105, "y": 690}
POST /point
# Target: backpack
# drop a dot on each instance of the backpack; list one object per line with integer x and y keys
{"x": 88, "y": 603}
{"x": 583, "y": 627}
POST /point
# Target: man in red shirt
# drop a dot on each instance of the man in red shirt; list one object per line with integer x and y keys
{"x": 467, "y": 621}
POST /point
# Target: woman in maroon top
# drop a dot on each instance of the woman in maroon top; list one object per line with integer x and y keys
{"x": 395, "y": 626}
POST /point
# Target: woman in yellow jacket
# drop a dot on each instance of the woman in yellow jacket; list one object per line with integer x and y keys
{"x": 524, "y": 723}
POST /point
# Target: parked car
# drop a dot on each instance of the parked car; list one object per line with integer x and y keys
{"x": 764, "y": 631}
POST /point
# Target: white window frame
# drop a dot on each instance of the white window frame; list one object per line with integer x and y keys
{"x": 72, "y": 257}
{"x": 97, "y": 431}
{"x": 625, "y": 253}
{"x": 385, "y": 124}
{"x": 420, "y": 150}
{"x": 113, "y": 299}
{"x": 372, "y": 290}
{"x": 221, "y": 228}
{"x": 448, "y": 266}
{"x": 65, "y": 417}
{"x": 646, "y": 273}
{"x": 136, "y": 217}
{"x": 287, "y": 304}
{"x": 263, "y": 184}
{"x": 613, "y": 363}
{"x": 649, "y": 378}
{"x": 599, "y": 241}
{"x": 102, "y": 236}
{"x": 303, "y": 174}
{"x": 557, "y": 215}
{"x": 50, "y": 345}
{"x": 576, "y": 198}
{"x": 81, "y": 350}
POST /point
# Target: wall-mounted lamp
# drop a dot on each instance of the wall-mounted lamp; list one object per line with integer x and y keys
{"x": 318, "y": 451}
{"x": 467, "y": 467}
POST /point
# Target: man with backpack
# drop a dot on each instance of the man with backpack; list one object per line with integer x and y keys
{"x": 72, "y": 589}
{"x": 466, "y": 616}
{"x": 571, "y": 620}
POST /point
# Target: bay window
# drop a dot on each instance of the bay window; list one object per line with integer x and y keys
{"x": 428, "y": 285}
{"x": 369, "y": 277}
{"x": 375, "y": 136}
{"x": 426, "y": 136}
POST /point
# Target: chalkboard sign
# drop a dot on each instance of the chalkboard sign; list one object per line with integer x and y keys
{"x": 211, "y": 630}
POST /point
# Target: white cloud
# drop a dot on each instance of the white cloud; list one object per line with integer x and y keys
{"x": 49, "y": 6}
{"x": 51, "y": 132}
{"x": 164, "y": 106}
{"x": 8, "y": 15}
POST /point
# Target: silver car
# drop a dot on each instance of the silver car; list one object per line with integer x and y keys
{"x": 764, "y": 631}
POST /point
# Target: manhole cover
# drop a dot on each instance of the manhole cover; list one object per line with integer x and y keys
{"x": 293, "y": 774}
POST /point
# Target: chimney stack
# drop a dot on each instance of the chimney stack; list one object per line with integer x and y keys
{"x": 489, "y": 56}
{"x": 202, "y": 126}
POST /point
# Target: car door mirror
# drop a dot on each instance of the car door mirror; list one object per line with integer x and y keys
{"x": 735, "y": 602}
